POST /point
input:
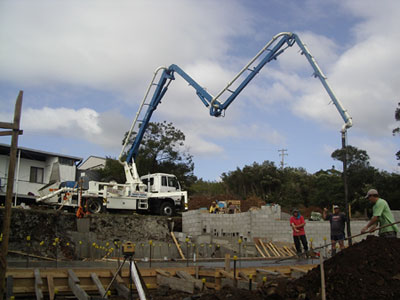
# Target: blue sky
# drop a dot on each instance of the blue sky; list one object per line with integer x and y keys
{"x": 84, "y": 67}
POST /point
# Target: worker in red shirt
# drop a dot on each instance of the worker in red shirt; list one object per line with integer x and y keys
{"x": 297, "y": 223}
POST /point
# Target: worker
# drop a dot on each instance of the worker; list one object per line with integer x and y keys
{"x": 381, "y": 215}
{"x": 231, "y": 208}
{"x": 220, "y": 206}
{"x": 213, "y": 208}
{"x": 297, "y": 223}
{"x": 338, "y": 221}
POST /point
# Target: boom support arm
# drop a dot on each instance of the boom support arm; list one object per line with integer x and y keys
{"x": 278, "y": 44}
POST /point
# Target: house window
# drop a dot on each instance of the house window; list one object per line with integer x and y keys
{"x": 66, "y": 161}
{"x": 36, "y": 175}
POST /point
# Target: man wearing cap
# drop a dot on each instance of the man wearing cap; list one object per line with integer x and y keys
{"x": 381, "y": 216}
{"x": 338, "y": 221}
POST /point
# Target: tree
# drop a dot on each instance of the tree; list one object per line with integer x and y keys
{"x": 113, "y": 170}
{"x": 355, "y": 156}
{"x": 162, "y": 151}
{"x": 397, "y": 130}
{"x": 327, "y": 188}
{"x": 361, "y": 176}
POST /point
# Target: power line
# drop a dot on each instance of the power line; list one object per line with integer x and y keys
{"x": 282, "y": 155}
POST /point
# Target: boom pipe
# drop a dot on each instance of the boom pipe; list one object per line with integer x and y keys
{"x": 216, "y": 107}
{"x": 318, "y": 73}
{"x": 139, "y": 111}
{"x": 272, "y": 55}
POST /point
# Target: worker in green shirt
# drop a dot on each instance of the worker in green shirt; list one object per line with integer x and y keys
{"x": 381, "y": 215}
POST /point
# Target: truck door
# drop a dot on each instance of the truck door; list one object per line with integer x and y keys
{"x": 169, "y": 184}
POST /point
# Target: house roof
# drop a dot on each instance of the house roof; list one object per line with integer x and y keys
{"x": 35, "y": 154}
{"x": 101, "y": 161}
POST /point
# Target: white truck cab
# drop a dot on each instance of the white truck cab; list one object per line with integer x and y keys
{"x": 164, "y": 193}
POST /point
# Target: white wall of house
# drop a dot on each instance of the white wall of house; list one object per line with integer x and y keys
{"x": 52, "y": 168}
{"x": 4, "y": 161}
{"x": 93, "y": 163}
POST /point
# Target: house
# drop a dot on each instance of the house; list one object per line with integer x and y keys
{"x": 34, "y": 169}
{"x": 93, "y": 163}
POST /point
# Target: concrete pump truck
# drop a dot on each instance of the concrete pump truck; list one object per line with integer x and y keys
{"x": 161, "y": 192}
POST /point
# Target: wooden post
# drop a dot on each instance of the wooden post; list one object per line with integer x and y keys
{"x": 10, "y": 185}
{"x": 38, "y": 285}
{"x": 321, "y": 266}
{"x": 50, "y": 286}
{"x": 227, "y": 262}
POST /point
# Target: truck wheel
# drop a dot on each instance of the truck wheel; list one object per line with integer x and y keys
{"x": 94, "y": 206}
{"x": 167, "y": 209}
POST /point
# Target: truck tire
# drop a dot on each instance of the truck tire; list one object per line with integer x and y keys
{"x": 94, "y": 205}
{"x": 167, "y": 209}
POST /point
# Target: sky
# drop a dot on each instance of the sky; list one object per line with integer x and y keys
{"x": 84, "y": 67}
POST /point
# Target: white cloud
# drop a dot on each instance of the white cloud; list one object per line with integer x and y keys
{"x": 109, "y": 46}
{"x": 105, "y": 129}
{"x": 62, "y": 121}
{"x": 381, "y": 152}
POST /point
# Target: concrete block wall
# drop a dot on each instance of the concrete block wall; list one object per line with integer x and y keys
{"x": 264, "y": 223}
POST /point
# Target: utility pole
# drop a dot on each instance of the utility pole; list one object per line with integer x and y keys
{"x": 282, "y": 155}
{"x": 346, "y": 189}
{"x": 14, "y": 132}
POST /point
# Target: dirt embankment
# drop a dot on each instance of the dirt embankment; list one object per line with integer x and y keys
{"x": 369, "y": 270}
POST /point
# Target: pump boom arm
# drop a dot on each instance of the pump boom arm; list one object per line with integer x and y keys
{"x": 278, "y": 44}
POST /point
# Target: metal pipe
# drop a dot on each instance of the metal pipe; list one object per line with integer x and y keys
{"x": 136, "y": 280}
{"x": 246, "y": 67}
{"x": 139, "y": 111}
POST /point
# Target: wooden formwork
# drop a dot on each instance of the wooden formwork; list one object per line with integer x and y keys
{"x": 84, "y": 282}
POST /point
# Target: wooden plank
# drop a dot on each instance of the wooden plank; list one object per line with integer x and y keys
{"x": 265, "y": 249}
{"x": 9, "y": 287}
{"x": 98, "y": 284}
{"x": 197, "y": 283}
{"x": 177, "y": 284}
{"x": 291, "y": 251}
{"x": 8, "y": 125}
{"x": 50, "y": 286}
{"x": 287, "y": 251}
{"x": 73, "y": 283}
{"x": 38, "y": 285}
{"x": 243, "y": 276}
{"x": 273, "y": 248}
{"x": 269, "y": 272}
{"x": 227, "y": 262}
{"x": 226, "y": 274}
{"x": 31, "y": 255}
{"x": 163, "y": 273}
{"x": 259, "y": 250}
{"x": 120, "y": 287}
{"x": 177, "y": 246}
{"x": 299, "y": 270}
{"x": 280, "y": 250}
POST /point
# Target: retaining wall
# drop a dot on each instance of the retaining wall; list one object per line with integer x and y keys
{"x": 263, "y": 223}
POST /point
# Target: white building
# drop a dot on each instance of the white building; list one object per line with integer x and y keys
{"x": 92, "y": 163}
{"x": 34, "y": 169}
